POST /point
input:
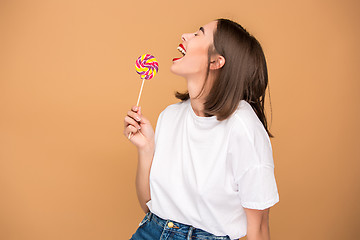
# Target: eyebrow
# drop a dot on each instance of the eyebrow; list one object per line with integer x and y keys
{"x": 202, "y": 29}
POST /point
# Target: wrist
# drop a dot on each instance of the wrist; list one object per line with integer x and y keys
{"x": 147, "y": 150}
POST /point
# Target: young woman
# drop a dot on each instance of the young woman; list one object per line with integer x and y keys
{"x": 207, "y": 172}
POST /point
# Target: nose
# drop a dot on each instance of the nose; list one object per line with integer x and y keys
{"x": 186, "y": 36}
{"x": 183, "y": 37}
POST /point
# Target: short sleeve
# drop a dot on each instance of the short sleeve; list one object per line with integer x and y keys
{"x": 257, "y": 188}
{"x": 252, "y": 163}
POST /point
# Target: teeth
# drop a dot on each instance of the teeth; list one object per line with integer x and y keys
{"x": 181, "y": 50}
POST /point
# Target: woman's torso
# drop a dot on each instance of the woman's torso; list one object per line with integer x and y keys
{"x": 197, "y": 162}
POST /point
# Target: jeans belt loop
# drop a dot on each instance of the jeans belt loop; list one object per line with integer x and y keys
{"x": 150, "y": 216}
{"x": 190, "y": 233}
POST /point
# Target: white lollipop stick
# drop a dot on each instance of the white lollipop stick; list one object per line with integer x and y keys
{"x": 142, "y": 85}
{"x": 137, "y": 104}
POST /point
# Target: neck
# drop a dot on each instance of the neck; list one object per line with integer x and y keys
{"x": 198, "y": 106}
{"x": 194, "y": 89}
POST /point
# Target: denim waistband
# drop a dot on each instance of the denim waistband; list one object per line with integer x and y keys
{"x": 184, "y": 229}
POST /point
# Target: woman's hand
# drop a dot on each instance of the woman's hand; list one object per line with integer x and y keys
{"x": 139, "y": 130}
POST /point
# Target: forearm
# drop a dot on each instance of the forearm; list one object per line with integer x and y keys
{"x": 262, "y": 234}
{"x": 142, "y": 177}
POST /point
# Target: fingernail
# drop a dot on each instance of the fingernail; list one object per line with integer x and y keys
{"x": 139, "y": 128}
{"x": 138, "y": 119}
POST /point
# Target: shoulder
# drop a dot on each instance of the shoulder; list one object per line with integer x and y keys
{"x": 169, "y": 118}
{"x": 174, "y": 109}
{"x": 172, "y": 112}
{"x": 248, "y": 136}
{"x": 245, "y": 123}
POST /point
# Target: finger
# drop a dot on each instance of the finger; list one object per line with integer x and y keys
{"x": 131, "y": 122}
{"x": 134, "y": 115}
{"x": 143, "y": 119}
{"x": 130, "y": 131}
{"x": 135, "y": 108}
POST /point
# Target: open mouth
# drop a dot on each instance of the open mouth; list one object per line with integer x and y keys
{"x": 182, "y": 50}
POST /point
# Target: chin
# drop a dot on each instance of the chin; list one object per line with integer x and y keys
{"x": 175, "y": 70}
{"x": 185, "y": 70}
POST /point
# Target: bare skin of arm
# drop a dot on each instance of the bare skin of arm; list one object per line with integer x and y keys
{"x": 257, "y": 224}
{"x": 143, "y": 138}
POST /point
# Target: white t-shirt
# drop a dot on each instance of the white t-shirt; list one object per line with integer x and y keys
{"x": 205, "y": 171}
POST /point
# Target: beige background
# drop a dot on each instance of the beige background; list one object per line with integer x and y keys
{"x": 67, "y": 79}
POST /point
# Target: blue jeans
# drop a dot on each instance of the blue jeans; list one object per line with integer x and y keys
{"x": 153, "y": 227}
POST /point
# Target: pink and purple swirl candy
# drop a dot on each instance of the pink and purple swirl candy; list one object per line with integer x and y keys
{"x": 147, "y": 66}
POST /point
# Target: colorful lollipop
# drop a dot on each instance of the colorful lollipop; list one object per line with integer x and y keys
{"x": 147, "y": 67}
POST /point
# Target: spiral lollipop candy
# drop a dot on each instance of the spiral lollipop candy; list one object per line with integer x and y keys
{"x": 147, "y": 67}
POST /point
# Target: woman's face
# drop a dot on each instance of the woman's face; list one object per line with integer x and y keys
{"x": 194, "y": 47}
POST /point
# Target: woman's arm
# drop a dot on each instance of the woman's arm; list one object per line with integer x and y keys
{"x": 143, "y": 138}
{"x": 257, "y": 224}
{"x": 142, "y": 177}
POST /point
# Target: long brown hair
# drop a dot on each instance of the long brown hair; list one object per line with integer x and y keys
{"x": 244, "y": 75}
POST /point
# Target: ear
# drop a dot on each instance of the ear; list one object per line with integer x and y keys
{"x": 217, "y": 62}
